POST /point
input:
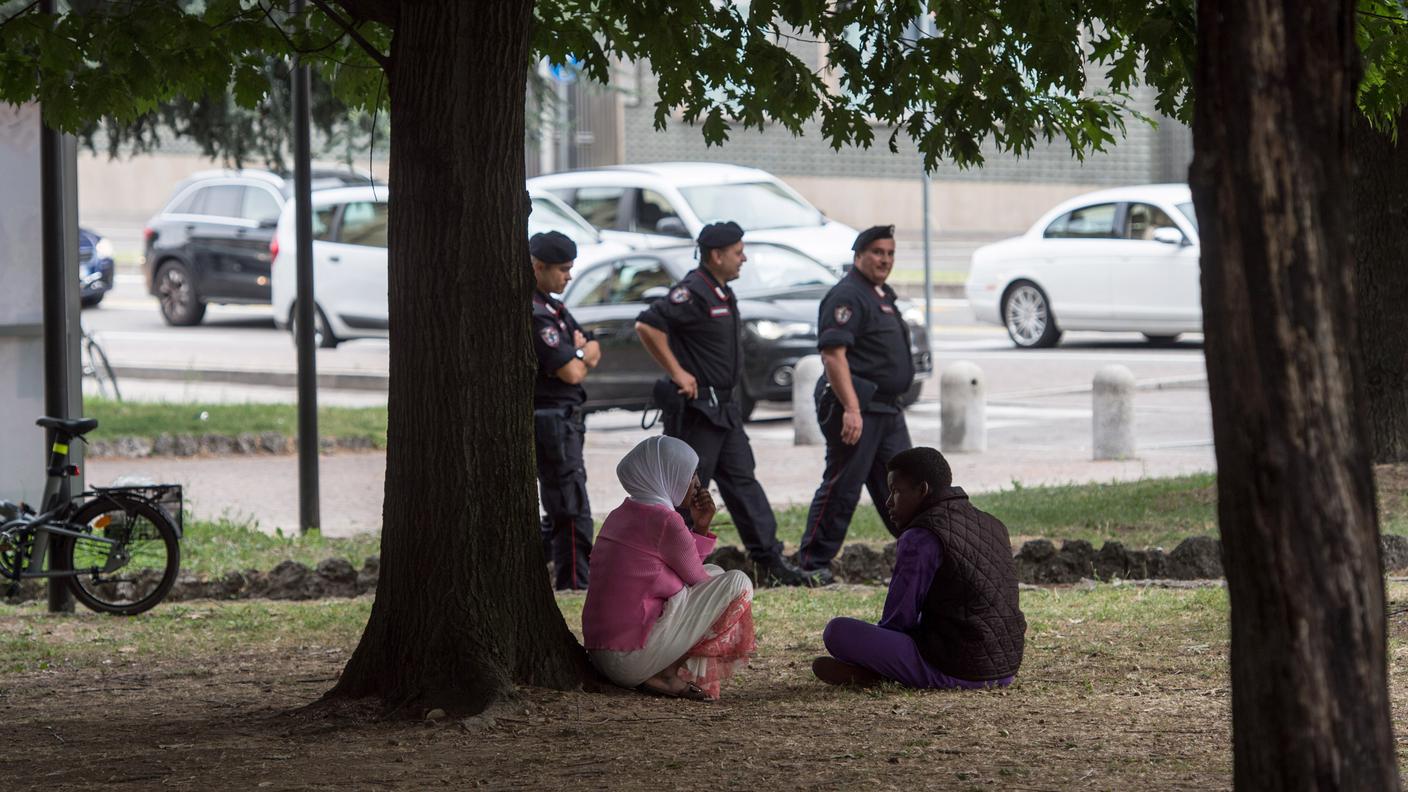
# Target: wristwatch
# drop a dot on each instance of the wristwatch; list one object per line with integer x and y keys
{"x": 581, "y": 355}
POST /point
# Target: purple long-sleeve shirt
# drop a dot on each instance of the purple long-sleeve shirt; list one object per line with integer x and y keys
{"x": 918, "y": 555}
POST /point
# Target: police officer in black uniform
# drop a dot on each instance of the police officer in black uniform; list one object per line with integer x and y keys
{"x": 565, "y": 354}
{"x": 695, "y": 336}
{"x": 864, "y": 345}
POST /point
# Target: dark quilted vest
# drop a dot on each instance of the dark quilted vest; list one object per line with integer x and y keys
{"x": 972, "y": 626}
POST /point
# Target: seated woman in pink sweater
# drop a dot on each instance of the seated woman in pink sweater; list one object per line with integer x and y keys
{"x": 657, "y": 618}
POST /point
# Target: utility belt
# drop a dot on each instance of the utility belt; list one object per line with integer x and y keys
{"x": 552, "y": 427}
{"x": 716, "y": 404}
{"x": 868, "y": 396}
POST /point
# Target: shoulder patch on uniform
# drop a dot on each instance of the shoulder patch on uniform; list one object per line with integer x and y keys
{"x": 679, "y": 294}
{"x": 843, "y": 314}
{"x": 550, "y": 336}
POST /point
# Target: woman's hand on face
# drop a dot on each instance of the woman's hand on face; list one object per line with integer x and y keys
{"x": 702, "y": 509}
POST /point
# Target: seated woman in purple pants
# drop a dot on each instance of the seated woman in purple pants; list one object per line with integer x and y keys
{"x": 951, "y": 619}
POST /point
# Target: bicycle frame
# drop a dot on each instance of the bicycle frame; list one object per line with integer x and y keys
{"x": 57, "y": 505}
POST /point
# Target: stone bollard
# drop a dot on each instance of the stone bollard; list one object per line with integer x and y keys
{"x": 1112, "y": 415}
{"x": 805, "y": 429}
{"x": 963, "y": 408}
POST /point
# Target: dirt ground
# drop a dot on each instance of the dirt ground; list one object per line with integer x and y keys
{"x": 1121, "y": 688}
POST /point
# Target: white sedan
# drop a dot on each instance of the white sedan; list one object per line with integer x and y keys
{"x": 1122, "y": 260}
{"x": 349, "y": 258}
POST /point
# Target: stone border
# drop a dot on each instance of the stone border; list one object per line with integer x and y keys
{"x": 244, "y": 444}
{"x": 1195, "y": 562}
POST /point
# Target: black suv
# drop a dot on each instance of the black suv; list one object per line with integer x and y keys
{"x": 210, "y": 243}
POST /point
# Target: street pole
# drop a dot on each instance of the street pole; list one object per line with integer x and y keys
{"x": 58, "y": 237}
{"x": 308, "y": 511}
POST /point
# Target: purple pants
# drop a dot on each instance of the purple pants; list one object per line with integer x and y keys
{"x": 891, "y": 654}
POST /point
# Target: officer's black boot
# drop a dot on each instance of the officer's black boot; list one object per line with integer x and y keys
{"x": 780, "y": 572}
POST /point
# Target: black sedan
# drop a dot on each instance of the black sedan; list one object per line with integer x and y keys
{"x": 778, "y": 295}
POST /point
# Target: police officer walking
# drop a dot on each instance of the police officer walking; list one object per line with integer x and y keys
{"x": 695, "y": 336}
{"x": 565, "y": 354}
{"x": 864, "y": 345}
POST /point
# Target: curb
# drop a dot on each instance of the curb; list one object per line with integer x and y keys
{"x": 186, "y": 445}
{"x": 279, "y": 379}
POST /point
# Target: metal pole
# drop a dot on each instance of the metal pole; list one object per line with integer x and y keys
{"x": 56, "y": 271}
{"x": 928, "y": 267}
{"x": 308, "y": 511}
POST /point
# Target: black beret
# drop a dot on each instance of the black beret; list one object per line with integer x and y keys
{"x": 864, "y": 238}
{"x": 719, "y": 235}
{"x": 553, "y": 247}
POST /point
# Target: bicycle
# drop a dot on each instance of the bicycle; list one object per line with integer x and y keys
{"x": 96, "y": 365}
{"x": 116, "y": 546}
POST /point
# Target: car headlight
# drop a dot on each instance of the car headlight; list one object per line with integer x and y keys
{"x": 103, "y": 249}
{"x": 914, "y": 315}
{"x": 770, "y": 330}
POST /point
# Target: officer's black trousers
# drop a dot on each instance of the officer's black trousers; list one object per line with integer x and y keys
{"x": 847, "y": 468}
{"x": 726, "y": 456}
{"x": 562, "y": 482}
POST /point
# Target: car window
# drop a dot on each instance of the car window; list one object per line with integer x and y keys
{"x": 771, "y": 268}
{"x": 322, "y": 222}
{"x": 592, "y": 287}
{"x": 363, "y": 223}
{"x": 1141, "y": 219}
{"x": 636, "y": 276}
{"x": 1088, "y": 222}
{"x": 753, "y": 205}
{"x": 599, "y": 205}
{"x": 1187, "y": 210}
{"x": 651, "y": 208}
{"x": 192, "y": 203}
{"x": 260, "y": 205}
{"x": 222, "y": 200}
{"x": 548, "y": 216}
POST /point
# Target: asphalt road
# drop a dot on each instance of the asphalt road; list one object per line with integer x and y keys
{"x": 1039, "y": 411}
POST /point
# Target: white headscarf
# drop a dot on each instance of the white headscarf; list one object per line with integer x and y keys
{"x": 658, "y": 471}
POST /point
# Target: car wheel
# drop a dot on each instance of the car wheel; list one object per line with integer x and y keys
{"x": 180, "y": 306}
{"x": 1028, "y": 317}
{"x": 1161, "y": 340}
{"x": 323, "y": 337}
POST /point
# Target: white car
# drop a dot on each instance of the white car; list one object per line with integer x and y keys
{"x": 658, "y": 205}
{"x": 349, "y": 258}
{"x": 1122, "y": 260}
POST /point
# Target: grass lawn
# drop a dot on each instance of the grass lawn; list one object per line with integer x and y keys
{"x": 1154, "y": 512}
{"x": 150, "y": 419}
{"x": 1121, "y": 688}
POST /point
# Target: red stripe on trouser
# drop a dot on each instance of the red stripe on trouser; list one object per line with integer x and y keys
{"x": 820, "y": 514}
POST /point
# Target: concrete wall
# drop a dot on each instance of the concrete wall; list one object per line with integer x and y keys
{"x": 21, "y": 307}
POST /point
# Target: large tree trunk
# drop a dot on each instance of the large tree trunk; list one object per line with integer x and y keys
{"x": 1380, "y": 216}
{"x": 463, "y": 607}
{"x": 1310, "y": 706}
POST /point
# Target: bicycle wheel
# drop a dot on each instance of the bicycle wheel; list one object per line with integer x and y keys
{"x": 103, "y": 369}
{"x": 134, "y": 571}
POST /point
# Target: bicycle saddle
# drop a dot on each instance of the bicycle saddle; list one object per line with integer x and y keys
{"x": 73, "y": 428}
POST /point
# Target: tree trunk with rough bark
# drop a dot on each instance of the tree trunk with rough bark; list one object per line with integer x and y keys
{"x": 1380, "y": 207}
{"x": 1310, "y": 705}
{"x": 463, "y": 607}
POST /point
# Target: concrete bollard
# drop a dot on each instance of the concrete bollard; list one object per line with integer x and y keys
{"x": 805, "y": 429}
{"x": 963, "y": 408}
{"x": 1112, "y": 413}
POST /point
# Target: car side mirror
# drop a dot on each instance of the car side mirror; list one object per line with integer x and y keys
{"x": 672, "y": 226}
{"x": 1169, "y": 236}
{"x": 655, "y": 293}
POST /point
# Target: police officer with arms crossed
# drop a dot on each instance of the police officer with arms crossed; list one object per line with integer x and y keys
{"x": 565, "y": 354}
{"x": 695, "y": 336}
{"x": 864, "y": 345}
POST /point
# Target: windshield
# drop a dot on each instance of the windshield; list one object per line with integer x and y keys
{"x": 548, "y": 216}
{"x": 771, "y": 268}
{"x": 1187, "y": 210}
{"x": 754, "y": 205}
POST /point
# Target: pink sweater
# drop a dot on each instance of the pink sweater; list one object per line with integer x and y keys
{"x": 643, "y": 556}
